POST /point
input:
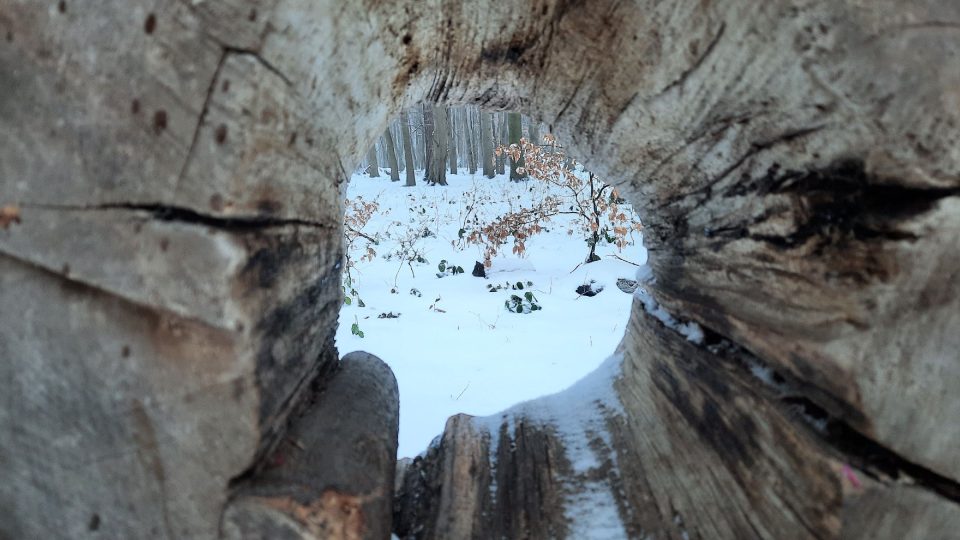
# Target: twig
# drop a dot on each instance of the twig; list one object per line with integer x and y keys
{"x": 462, "y": 391}
{"x": 624, "y": 260}
{"x": 362, "y": 234}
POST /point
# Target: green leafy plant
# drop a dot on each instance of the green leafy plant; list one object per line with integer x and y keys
{"x": 350, "y": 293}
{"x": 446, "y": 268}
{"x": 507, "y": 286}
{"x": 522, "y": 304}
{"x": 355, "y": 328}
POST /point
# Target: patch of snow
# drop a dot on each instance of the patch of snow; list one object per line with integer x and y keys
{"x": 689, "y": 329}
{"x": 511, "y": 264}
{"x": 455, "y": 348}
{"x": 764, "y": 373}
{"x": 591, "y": 507}
{"x": 645, "y": 274}
{"x": 465, "y": 352}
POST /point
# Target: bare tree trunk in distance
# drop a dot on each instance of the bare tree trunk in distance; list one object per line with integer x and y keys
{"x": 486, "y": 144}
{"x": 437, "y": 170}
{"x": 470, "y": 139}
{"x": 407, "y": 148}
{"x": 373, "y": 168}
{"x": 391, "y": 155}
{"x": 451, "y": 139}
{"x": 428, "y": 142}
{"x": 501, "y": 140}
{"x": 515, "y": 132}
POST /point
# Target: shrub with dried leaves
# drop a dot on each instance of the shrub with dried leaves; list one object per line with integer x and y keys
{"x": 602, "y": 214}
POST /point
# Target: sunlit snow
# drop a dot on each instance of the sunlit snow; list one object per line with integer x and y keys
{"x": 454, "y": 347}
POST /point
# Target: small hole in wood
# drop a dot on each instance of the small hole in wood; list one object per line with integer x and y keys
{"x": 159, "y": 121}
{"x": 220, "y": 134}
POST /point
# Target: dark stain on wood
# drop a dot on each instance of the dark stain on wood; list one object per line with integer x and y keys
{"x": 220, "y": 134}
{"x": 269, "y": 206}
{"x": 150, "y": 24}
{"x": 841, "y": 204}
{"x": 729, "y": 433}
{"x": 159, "y": 121}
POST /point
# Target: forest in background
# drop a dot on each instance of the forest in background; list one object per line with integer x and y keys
{"x": 436, "y": 139}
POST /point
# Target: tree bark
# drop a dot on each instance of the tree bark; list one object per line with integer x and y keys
{"x": 391, "y": 155}
{"x": 407, "y": 149}
{"x": 486, "y": 144}
{"x": 171, "y": 288}
{"x": 452, "y": 139}
{"x": 470, "y": 138}
{"x": 428, "y": 141}
{"x": 373, "y": 167}
{"x": 437, "y": 141}
{"x": 502, "y": 141}
{"x": 514, "y": 133}
{"x": 534, "y": 128}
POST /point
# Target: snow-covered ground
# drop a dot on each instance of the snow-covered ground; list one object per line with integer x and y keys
{"x": 454, "y": 346}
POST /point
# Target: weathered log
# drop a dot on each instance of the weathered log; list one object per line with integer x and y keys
{"x": 332, "y": 475}
{"x": 170, "y": 292}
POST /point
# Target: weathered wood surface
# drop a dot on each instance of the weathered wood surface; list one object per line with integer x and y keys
{"x": 332, "y": 474}
{"x": 171, "y": 292}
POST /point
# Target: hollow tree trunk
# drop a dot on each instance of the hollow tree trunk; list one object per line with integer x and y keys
{"x": 171, "y": 287}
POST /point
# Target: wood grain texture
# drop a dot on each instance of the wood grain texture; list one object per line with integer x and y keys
{"x": 170, "y": 294}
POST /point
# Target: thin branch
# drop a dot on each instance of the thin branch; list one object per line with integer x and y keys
{"x": 361, "y": 234}
{"x": 614, "y": 255}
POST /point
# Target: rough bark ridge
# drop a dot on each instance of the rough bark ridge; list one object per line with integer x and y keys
{"x": 170, "y": 294}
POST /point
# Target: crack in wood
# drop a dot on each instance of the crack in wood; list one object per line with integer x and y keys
{"x": 163, "y": 212}
{"x": 869, "y": 456}
{"x": 697, "y": 63}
